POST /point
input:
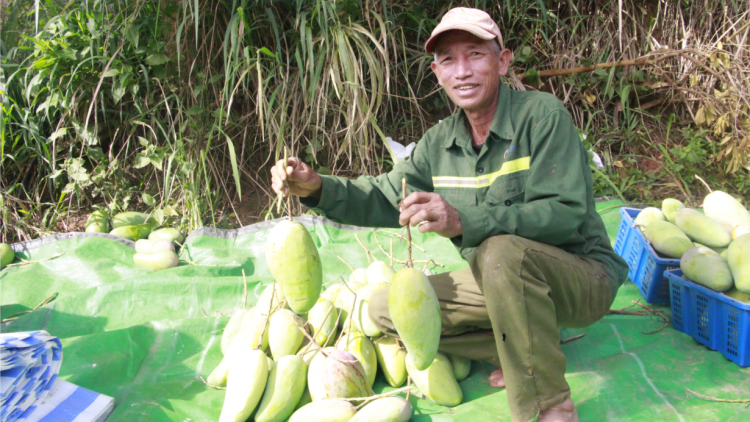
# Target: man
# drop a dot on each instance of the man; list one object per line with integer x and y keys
{"x": 507, "y": 180}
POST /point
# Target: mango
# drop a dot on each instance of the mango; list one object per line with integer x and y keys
{"x": 148, "y": 246}
{"x": 437, "y": 382}
{"x": 380, "y": 272}
{"x": 132, "y": 219}
{"x": 740, "y": 230}
{"x": 669, "y": 208}
{"x": 169, "y": 234}
{"x": 271, "y": 364}
{"x": 358, "y": 279}
{"x": 304, "y": 400}
{"x": 284, "y": 335}
{"x": 231, "y": 330}
{"x": 332, "y": 292}
{"x": 343, "y": 376}
{"x": 325, "y": 411}
{"x": 315, "y": 363}
{"x": 724, "y": 225}
{"x": 247, "y": 379}
{"x": 252, "y": 327}
{"x": 286, "y": 383}
{"x": 722, "y": 206}
{"x": 387, "y": 409}
{"x": 667, "y": 239}
{"x": 156, "y": 261}
{"x": 361, "y": 347}
{"x": 702, "y": 229}
{"x": 6, "y": 255}
{"x": 343, "y": 304}
{"x": 361, "y": 316}
{"x": 392, "y": 360}
{"x": 97, "y": 222}
{"x": 322, "y": 327}
{"x": 738, "y": 257}
{"x": 294, "y": 261}
{"x": 132, "y": 232}
{"x": 735, "y": 294}
{"x": 415, "y": 313}
{"x": 647, "y": 215}
{"x": 461, "y": 366}
{"x": 706, "y": 267}
{"x": 271, "y": 299}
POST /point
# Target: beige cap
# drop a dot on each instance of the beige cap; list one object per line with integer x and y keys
{"x": 475, "y": 21}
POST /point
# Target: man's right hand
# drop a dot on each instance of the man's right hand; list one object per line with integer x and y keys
{"x": 301, "y": 179}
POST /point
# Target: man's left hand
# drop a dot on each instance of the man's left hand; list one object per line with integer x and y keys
{"x": 431, "y": 208}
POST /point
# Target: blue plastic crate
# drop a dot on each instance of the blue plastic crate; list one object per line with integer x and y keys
{"x": 714, "y": 319}
{"x": 646, "y": 268}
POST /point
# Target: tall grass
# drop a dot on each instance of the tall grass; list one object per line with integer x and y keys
{"x": 178, "y": 107}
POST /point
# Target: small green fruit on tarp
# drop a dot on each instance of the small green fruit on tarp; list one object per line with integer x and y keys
{"x": 437, "y": 382}
{"x": 392, "y": 360}
{"x": 168, "y": 233}
{"x": 248, "y": 375}
{"x": 97, "y": 222}
{"x": 157, "y": 260}
{"x": 294, "y": 261}
{"x": 415, "y": 312}
{"x": 387, "y": 409}
{"x": 6, "y": 255}
{"x": 286, "y": 383}
{"x": 461, "y": 366}
{"x": 132, "y": 218}
{"x": 325, "y": 411}
{"x": 133, "y": 233}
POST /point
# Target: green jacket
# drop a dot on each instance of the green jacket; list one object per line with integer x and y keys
{"x": 531, "y": 179}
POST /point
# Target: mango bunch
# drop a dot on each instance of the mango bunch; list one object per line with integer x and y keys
{"x": 305, "y": 354}
{"x": 713, "y": 246}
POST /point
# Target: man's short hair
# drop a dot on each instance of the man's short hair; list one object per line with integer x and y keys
{"x": 496, "y": 49}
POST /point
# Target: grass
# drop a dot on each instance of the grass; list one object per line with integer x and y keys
{"x": 177, "y": 108}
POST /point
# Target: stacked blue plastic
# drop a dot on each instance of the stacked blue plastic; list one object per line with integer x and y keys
{"x": 29, "y": 364}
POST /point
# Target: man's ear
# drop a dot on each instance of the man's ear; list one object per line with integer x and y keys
{"x": 436, "y": 71}
{"x": 505, "y": 57}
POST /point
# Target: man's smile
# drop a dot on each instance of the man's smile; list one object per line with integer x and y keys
{"x": 466, "y": 87}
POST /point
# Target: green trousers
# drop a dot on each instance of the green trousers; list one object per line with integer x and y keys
{"x": 506, "y": 309}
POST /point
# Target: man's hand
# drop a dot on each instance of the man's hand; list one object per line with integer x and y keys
{"x": 439, "y": 216}
{"x": 301, "y": 179}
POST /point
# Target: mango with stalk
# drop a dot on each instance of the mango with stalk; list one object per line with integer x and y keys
{"x": 380, "y": 272}
{"x": 386, "y": 409}
{"x": 284, "y": 335}
{"x": 247, "y": 379}
{"x": 392, "y": 360}
{"x": 361, "y": 347}
{"x": 168, "y": 233}
{"x": 647, "y": 215}
{"x": 415, "y": 312}
{"x": 437, "y": 382}
{"x": 322, "y": 320}
{"x": 294, "y": 261}
{"x": 286, "y": 384}
{"x": 669, "y": 208}
{"x": 325, "y": 411}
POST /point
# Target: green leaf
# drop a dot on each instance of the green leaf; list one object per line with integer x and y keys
{"x": 198, "y": 89}
{"x": 141, "y": 161}
{"x": 131, "y": 34}
{"x": 192, "y": 111}
{"x": 156, "y": 59}
{"x": 156, "y": 161}
{"x": 147, "y": 199}
{"x": 143, "y": 141}
{"x": 110, "y": 73}
{"x": 95, "y": 153}
{"x": 235, "y": 170}
{"x": 267, "y": 52}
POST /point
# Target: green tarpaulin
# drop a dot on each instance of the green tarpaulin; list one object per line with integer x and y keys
{"x": 147, "y": 337}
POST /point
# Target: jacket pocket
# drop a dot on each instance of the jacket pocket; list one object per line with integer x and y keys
{"x": 510, "y": 187}
{"x": 458, "y": 196}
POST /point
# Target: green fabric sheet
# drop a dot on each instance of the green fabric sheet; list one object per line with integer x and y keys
{"x": 146, "y": 338}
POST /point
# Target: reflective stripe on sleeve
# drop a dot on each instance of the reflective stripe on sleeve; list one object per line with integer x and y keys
{"x": 508, "y": 167}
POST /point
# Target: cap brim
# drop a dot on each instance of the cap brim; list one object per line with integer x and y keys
{"x": 473, "y": 29}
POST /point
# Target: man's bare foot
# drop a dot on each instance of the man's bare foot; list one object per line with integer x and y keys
{"x": 497, "y": 379}
{"x": 563, "y": 412}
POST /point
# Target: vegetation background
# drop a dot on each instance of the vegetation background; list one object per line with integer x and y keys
{"x": 177, "y": 108}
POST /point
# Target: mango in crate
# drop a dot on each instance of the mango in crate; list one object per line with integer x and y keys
{"x": 706, "y": 267}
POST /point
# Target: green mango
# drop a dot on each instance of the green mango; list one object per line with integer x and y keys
{"x": 132, "y": 218}
{"x": 97, "y": 222}
{"x": 332, "y": 292}
{"x": 343, "y": 376}
{"x": 358, "y": 279}
{"x": 706, "y": 267}
{"x": 437, "y": 382}
{"x": 380, "y": 272}
{"x": 461, "y": 366}
{"x": 7, "y": 255}
{"x": 702, "y": 229}
{"x": 361, "y": 347}
{"x": 271, "y": 299}
{"x": 246, "y": 339}
{"x": 156, "y": 261}
{"x": 325, "y": 411}
{"x": 132, "y": 232}
{"x": 148, "y": 246}
{"x": 669, "y": 208}
{"x": 322, "y": 327}
{"x": 344, "y": 302}
{"x": 304, "y": 400}
{"x": 231, "y": 330}
{"x": 315, "y": 364}
{"x": 253, "y": 325}
{"x": 247, "y": 379}
{"x": 168, "y": 233}
{"x": 667, "y": 238}
{"x": 738, "y": 257}
{"x": 294, "y": 261}
{"x": 392, "y": 360}
{"x": 722, "y": 206}
{"x": 740, "y": 230}
{"x": 735, "y": 294}
{"x": 285, "y": 387}
{"x": 284, "y": 335}
{"x": 415, "y": 312}
{"x": 387, "y": 409}
{"x": 647, "y": 215}
{"x": 361, "y": 316}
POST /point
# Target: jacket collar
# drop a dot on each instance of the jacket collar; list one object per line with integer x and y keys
{"x": 501, "y": 128}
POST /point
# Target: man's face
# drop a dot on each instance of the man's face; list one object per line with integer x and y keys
{"x": 468, "y": 69}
